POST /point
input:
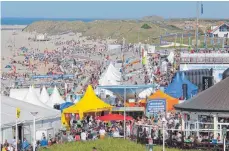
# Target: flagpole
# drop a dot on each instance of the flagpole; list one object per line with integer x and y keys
{"x": 197, "y": 24}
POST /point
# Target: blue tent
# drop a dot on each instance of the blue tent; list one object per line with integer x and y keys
{"x": 8, "y": 66}
{"x": 174, "y": 89}
{"x": 192, "y": 88}
{"x": 65, "y": 105}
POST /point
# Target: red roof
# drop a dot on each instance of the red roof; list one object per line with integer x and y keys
{"x": 209, "y": 31}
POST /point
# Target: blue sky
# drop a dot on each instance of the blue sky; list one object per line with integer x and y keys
{"x": 112, "y": 10}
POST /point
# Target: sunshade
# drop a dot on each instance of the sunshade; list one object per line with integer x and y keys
{"x": 114, "y": 117}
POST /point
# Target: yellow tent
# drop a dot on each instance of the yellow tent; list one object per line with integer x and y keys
{"x": 89, "y": 103}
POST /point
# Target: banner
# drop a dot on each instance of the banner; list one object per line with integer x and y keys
{"x": 202, "y": 9}
{"x": 156, "y": 105}
{"x": 53, "y": 76}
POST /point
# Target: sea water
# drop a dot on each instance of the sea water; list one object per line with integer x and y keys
{"x": 27, "y": 21}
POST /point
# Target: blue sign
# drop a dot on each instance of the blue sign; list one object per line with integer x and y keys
{"x": 155, "y": 106}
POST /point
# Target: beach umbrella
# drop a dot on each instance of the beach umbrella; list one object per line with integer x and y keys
{"x": 8, "y": 66}
{"x": 114, "y": 117}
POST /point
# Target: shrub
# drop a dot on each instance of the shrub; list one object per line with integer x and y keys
{"x": 146, "y": 26}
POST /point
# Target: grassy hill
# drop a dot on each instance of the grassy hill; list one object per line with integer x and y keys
{"x": 116, "y": 29}
{"x": 109, "y": 144}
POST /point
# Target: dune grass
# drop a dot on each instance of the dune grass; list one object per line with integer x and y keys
{"x": 108, "y": 144}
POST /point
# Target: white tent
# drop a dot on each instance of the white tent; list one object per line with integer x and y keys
{"x": 20, "y": 94}
{"x": 146, "y": 93}
{"x": 44, "y": 118}
{"x": 171, "y": 57}
{"x": 110, "y": 77}
{"x": 44, "y": 96}
{"x": 185, "y": 68}
{"x": 55, "y": 98}
{"x": 8, "y": 112}
{"x": 31, "y": 97}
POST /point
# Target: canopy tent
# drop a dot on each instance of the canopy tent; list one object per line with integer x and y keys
{"x": 8, "y": 112}
{"x": 65, "y": 105}
{"x": 55, "y": 98}
{"x": 185, "y": 68}
{"x": 171, "y": 57}
{"x": 131, "y": 90}
{"x": 175, "y": 88}
{"x": 111, "y": 76}
{"x": 89, "y": 103}
{"x": 114, "y": 117}
{"x": 20, "y": 94}
{"x": 32, "y": 98}
{"x": 170, "y": 101}
{"x": 44, "y": 97}
{"x": 146, "y": 93}
{"x": 192, "y": 89}
{"x": 8, "y": 66}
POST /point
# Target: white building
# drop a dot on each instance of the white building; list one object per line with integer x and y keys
{"x": 219, "y": 31}
{"x": 41, "y": 37}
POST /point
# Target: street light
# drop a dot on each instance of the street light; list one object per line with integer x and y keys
{"x": 34, "y": 130}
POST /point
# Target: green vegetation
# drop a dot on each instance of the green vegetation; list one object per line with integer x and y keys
{"x": 114, "y": 29}
{"x": 146, "y": 26}
{"x": 108, "y": 144}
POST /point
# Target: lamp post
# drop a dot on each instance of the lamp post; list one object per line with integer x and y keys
{"x": 124, "y": 113}
{"x": 163, "y": 129}
{"x": 34, "y": 129}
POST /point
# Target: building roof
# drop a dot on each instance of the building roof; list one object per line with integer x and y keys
{"x": 218, "y": 27}
{"x": 214, "y": 99}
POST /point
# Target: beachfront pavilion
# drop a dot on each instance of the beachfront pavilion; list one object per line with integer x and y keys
{"x": 208, "y": 111}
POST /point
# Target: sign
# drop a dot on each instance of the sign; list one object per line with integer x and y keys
{"x": 155, "y": 106}
{"x": 18, "y": 113}
{"x": 151, "y": 49}
{"x": 207, "y": 82}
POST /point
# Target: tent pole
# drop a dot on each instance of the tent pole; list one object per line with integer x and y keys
{"x": 124, "y": 113}
{"x": 34, "y": 130}
{"x": 16, "y": 136}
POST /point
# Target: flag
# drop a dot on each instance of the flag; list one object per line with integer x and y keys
{"x": 175, "y": 41}
{"x": 18, "y": 112}
{"x": 180, "y": 41}
{"x": 160, "y": 40}
{"x": 66, "y": 88}
{"x": 202, "y": 9}
{"x": 189, "y": 41}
